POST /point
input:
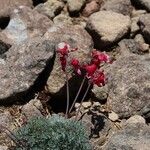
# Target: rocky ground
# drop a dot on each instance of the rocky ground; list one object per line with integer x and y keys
{"x": 117, "y": 116}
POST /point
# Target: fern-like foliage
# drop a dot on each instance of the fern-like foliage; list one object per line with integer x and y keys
{"x": 54, "y": 133}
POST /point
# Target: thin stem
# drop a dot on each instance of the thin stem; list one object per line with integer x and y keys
{"x": 77, "y": 94}
{"x": 89, "y": 85}
{"x": 67, "y": 84}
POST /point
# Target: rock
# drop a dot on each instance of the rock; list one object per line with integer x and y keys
{"x": 137, "y": 13}
{"x": 113, "y": 116}
{"x": 3, "y": 48}
{"x": 142, "y": 4}
{"x": 32, "y": 109}
{"x": 63, "y": 19}
{"x": 107, "y": 27}
{"x": 120, "y": 6}
{"x": 144, "y": 23}
{"x": 134, "y": 26}
{"x": 3, "y": 147}
{"x": 26, "y": 23}
{"x": 139, "y": 38}
{"x": 86, "y": 104}
{"x": 90, "y": 8}
{"x": 133, "y": 137}
{"x": 75, "y": 5}
{"x": 129, "y": 85}
{"x": 136, "y": 119}
{"x": 23, "y": 68}
{"x": 7, "y": 6}
{"x": 77, "y": 105}
{"x": 5, "y": 119}
{"x": 132, "y": 46}
{"x": 51, "y": 8}
{"x": 76, "y": 37}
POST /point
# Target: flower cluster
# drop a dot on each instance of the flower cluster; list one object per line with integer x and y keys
{"x": 92, "y": 70}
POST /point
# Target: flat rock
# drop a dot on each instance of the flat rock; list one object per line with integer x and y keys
{"x": 51, "y": 8}
{"x": 133, "y": 137}
{"x": 107, "y": 27}
{"x": 24, "y": 24}
{"x": 9, "y": 5}
{"x": 144, "y": 23}
{"x": 22, "y": 68}
{"x": 129, "y": 85}
{"x": 120, "y": 6}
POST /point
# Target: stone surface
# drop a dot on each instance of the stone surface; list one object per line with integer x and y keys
{"x": 22, "y": 68}
{"x": 86, "y": 104}
{"x": 3, "y": 147}
{"x": 3, "y": 47}
{"x": 107, "y": 27}
{"x": 134, "y": 26}
{"x": 7, "y": 6}
{"x": 32, "y": 109}
{"x": 76, "y": 37}
{"x": 5, "y": 119}
{"x": 133, "y": 137}
{"x": 136, "y": 119}
{"x": 144, "y": 23}
{"x": 113, "y": 116}
{"x": 120, "y": 6}
{"x": 26, "y": 23}
{"x": 129, "y": 85}
{"x": 90, "y": 8}
{"x": 75, "y": 5}
{"x": 142, "y": 4}
{"x": 51, "y": 8}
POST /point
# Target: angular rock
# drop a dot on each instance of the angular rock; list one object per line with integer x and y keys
{"x": 120, "y": 6}
{"x": 26, "y": 23}
{"x": 90, "y": 8}
{"x": 144, "y": 23}
{"x": 22, "y": 69}
{"x": 136, "y": 119}
{"x": 77, "y": 37}
{"x": 75, "y": 5}
{"x": 51, "y": 8}
{"x": 107, "y": 27}
{"x": 113, "y": 116}
{"x": 129, "y": 85}
{"x": 142, "y": 4}
{"x": 3, "y": 147}
{"x": 9, "y": 5}
{"x": 133, "y": 137}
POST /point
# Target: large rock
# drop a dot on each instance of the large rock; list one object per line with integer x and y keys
{"x": 107, "y": 27}
{"x": 8, "y": 5}
{"x": 129, "y": 85}
{"x": 132, "y": 137}
{"x": 77, "y": 37}
{"x": 142, "y": 4}
{"x": 120, "y": 6}
{"x": 51, "y": 8}
{"x": 22, "y": 69}
{"x": 144, "y": 23}
{"x": 26, "y": 23}
{"x": 75, "y": 5}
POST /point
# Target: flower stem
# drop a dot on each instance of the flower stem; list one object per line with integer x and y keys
{"x": 67, "y": 84}
{"x": 77, "y": 94}
{"x": 89, "y": 85}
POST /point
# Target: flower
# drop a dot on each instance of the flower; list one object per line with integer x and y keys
{"x": 63, "y": 48}
{"x": 99, "y": 78}
{"x": 90, "y": 70}
{"x": 76, "y": 65}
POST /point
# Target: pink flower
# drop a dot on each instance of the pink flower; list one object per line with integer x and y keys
{"x": 63, "y": 48}
{"x": 90, "y": 70}
{"x": 76, "y": 65}
{"x": 99, "y": 78}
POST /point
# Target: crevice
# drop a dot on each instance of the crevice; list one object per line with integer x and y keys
{"x": 37, "y": 2}
{"x": 4, "y": 21}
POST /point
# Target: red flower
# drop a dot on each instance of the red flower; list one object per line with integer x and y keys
{"x": 99, "y": 78}
{"x": 90, "y": 70}
{"x": 76, "y": 65}
{"x": 63, "y": 48}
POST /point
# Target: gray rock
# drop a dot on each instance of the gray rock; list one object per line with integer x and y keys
{"x": 107, "y": 27}
{"x": 133, "y": 137}
{"x": 51, "y": 8}
{"x": 3, "y": 147}
{"x": 129, "y": 85}
{"x": 144, "y": 23}
{"x": 23, "y": 67}
{"x": 75, "y": 5}
{"x": 3, "y": 47}
{"x": 26, "y": 23}
{"x": 5, "y": 119}
{"x": 142, "y": 4}
{"x": 120, "y": 6}
{"x": 7, "y": 6}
